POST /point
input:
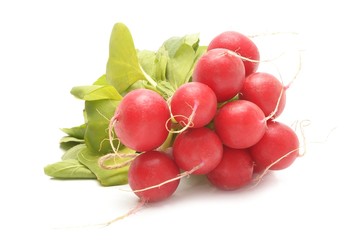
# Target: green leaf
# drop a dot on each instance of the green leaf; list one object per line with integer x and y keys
{"x": 154, "y": 63}
{"x": 101, "y": 80}
{"x": 172, "y": 65}
{"x": 67, "y": 139}
{"x": 76, "y": 132}
{"x": 75, "y": 136}
{"x": 147, "y": 62}
{"x": 98, "y": 115}
{"x": 95, "y": 92}
{"x": 199, "y": 52}
{"x": 123, "y": 68}
{"x": 176, "y": 59}
{"x": 100, "y": 110}
{"x": 73, "y": 152}
{"x": 161, "y": 61}
{"x": 67, "y": 145}
{"x": 105, "y": 177}
{"x": 165, "y": 89}
{"x": 180, "y": 65}
{"x": 68, "y": 169}
{"x": 172, "y": 45}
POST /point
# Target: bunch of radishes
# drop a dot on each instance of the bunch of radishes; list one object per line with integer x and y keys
{"x": 220, "y": 124}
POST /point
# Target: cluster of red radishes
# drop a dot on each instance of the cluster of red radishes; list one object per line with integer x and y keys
{"x": 220, "y": 124}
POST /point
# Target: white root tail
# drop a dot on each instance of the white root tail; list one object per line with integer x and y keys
{"x": 111, "y": 156}
{"x": 115, "y": 154}
{"x": 181, "y": 175}
{"x": 132, "y": 211}
{"x": 266, "y": 34}
{"x": 261, "y": 176}
{"x": 189, "y": 119}
{"x": 272, "y": 114}
{"x": 302, "y": 124}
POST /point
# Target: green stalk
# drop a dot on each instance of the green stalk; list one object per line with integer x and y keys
{"x": 148, "y": 78}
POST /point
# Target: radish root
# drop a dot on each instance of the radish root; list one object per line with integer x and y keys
{"x": 132, "y": 211}
{"x": 272, "y": 114}
{"x": 267, "y": 169}
{"x": 297, "y": 71}
{"x": 179, "y": 176}
{"x": 189, "y": 119}
{"x": 111, "y": 156}
{"x": 115, "y": 153}
{"x": 302, "y": 124}
{"x": 271, "y": 34}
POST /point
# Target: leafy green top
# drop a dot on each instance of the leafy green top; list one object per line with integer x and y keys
{"x": 127, "y": 68}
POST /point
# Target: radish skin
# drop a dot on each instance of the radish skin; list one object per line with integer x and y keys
{"x": 140, "y": 114}
{"x": 240, "y": 44}
{"x": 152, "y": 168}
{"x": 234, "y": 171}
{"x": 222, "y": 70}
{"x": 193, "y": 99}
{"x": 197, "y": 147}
{"x": 266, "y": 91}
{"x": 240, "y": 124}
{"x": 278, "y": 141}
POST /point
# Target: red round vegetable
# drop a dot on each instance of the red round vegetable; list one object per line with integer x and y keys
{"x": 150, "y": 169}
{"x": 279, "y": 141}
{"x": 140, "y": 120}
{"x": 240, "y": 124}
{"x": 197, "y": 147}
{"x": 222, "y": 70}
{"x": 234, "y": 171}
{"x": 194, "y": 99}
{"x": 266, "y": 91}
{"x": 240, "y": 44}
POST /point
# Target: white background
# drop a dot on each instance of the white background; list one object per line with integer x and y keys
{"x": 47, "y": 47}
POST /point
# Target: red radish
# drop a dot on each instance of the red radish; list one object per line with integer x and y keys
{"x": 222, "y": 70}
{"x": 152, "y": 168}
{"x": 193, "y": 99}
{"x": 266, "y": 91}
{"x": 240, "y": 124}
{"x": 240, "y": 44}
{"x": 234, "y": 171}
{"x": 140, "y": 120}
{"x": 279, "y": 143}
{"x": 197, "y": 147}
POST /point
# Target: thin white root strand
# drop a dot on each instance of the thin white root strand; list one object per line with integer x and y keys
{"x": 189, "y": 124}
{"x": 285, "y": 87}
{"x": 326, "y": 138}
{"x": 101, "y": 114}
{"x": 266, "y": 34}
{"x": 110, "y": 120}
{"x": 297, "y": 71}
{"x": 299, "y": 126}
{"x": 272, "y": 114}
{"x": 110, "y": 156}
{"x": 271, "y": 60}
{"x": 259, "y": 178}
{"x": 111, "y": 138}
{"x": 102, "y": 160}
{"x": 181, "y": 175}
{"x": 303, "y": 124}
{"x": 132, "y": 211}
{"x": 262, "y": 61}
{"x": 190, "y": 119}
